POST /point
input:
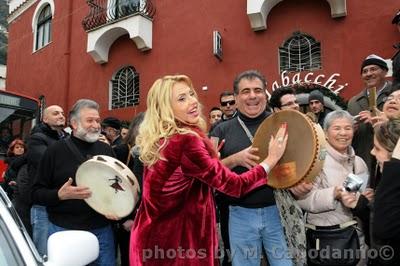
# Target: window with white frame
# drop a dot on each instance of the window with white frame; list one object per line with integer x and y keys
{"x": 300, "y": 52}
{"x": 43, "y": 27}
{"x": 125, "y": 88}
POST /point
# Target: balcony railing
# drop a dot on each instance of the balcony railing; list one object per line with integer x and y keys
{"x": 103, "y": 12}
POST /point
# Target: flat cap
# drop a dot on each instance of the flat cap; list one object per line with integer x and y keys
{"x": 111, "y": 122}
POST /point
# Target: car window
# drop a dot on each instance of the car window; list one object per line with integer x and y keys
{"x": 9, "y": 254}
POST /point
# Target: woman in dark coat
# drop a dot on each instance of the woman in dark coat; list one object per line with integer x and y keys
{"x": 16, "y": 158}
{"x": 385, "y": 222}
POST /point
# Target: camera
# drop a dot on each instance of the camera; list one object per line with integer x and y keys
{"x": 352, "y": 183}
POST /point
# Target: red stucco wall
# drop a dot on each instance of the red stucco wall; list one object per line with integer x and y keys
{"x": 182, "y": 43}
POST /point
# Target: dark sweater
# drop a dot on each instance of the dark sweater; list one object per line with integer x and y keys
{"x": 235, "y": 141}
{"x": 57, "y": 165}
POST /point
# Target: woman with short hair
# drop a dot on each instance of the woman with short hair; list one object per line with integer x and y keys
{"x": 323, "y": 204}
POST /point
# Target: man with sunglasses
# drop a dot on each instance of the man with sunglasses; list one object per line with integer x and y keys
{"x": 228, "y": 105}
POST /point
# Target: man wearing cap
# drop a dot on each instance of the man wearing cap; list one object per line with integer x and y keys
{"x": 373, "y": 72}
{"x": 316, "y": 104}
{"x": 396, "y": 57}
{"x": 112, "y": 128}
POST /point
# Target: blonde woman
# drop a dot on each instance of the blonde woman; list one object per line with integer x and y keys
{"x": 175, "y": 223}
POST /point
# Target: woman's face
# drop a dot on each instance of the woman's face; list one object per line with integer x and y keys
{"x": 382, "y": 155}
{"x": 392, "y": 105}
{"x": 185, "y": 104}
{"x": 340, "y": 134}
{"x": 18, "y": 149}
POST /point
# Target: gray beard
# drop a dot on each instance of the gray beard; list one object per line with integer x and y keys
{"x": 85, "y": 135}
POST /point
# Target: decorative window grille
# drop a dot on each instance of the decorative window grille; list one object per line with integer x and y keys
{"x": 300, "y": 52}
{"x": 125, "y": 88}
{"x": 43, "y": 31}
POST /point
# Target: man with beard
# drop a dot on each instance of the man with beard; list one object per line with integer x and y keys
{"x": 55, "y": 185}
{"x": 316, "y": 105}
{"x": 42, "y": 136}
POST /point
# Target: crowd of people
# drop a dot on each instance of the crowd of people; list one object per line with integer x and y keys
{"x": 205, "y": 203}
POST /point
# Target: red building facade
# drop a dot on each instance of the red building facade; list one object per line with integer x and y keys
{"x": 170, "y": 37}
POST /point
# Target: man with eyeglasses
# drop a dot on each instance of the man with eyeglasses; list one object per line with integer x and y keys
{"x": 373, "y": 72}
{"x": 228, "y": 105}
{"x": 283, "y": 98}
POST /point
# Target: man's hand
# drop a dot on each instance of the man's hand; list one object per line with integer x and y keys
{"x": 365, "y": 117}
{"x": 245, "y": 158}
{"x": 300, "y": 190}
{"x": 67, "y": 191}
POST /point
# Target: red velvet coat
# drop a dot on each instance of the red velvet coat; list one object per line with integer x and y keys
{"x": 175, "y": 223}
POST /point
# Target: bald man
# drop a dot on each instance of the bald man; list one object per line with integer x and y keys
{"x": 42, "y": 136}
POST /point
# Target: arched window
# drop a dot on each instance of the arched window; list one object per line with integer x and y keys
{"x": 300, "y": 52}
{"x": 43, "y": 27}
{"x": 125, "y": 88}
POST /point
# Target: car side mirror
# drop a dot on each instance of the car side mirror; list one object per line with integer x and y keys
{"x": 72, "y": 247}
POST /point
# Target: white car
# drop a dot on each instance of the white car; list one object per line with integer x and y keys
{"x": 64, "y": 248}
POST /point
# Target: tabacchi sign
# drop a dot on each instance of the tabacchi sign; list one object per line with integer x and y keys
{"x": 310, "y": 77}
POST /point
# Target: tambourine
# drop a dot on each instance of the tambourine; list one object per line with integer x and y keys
{"x": 115, "y": 189}
{"x": 305, "y": 151}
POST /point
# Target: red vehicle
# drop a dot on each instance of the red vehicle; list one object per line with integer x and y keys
{"x": 18, "y": 114}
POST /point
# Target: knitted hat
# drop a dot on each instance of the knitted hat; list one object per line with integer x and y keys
{"x": 396, "y": 18}
{"x": 316, "y": 95}
{"x": 374, "y": 60}
{"x": 112, "y": 122}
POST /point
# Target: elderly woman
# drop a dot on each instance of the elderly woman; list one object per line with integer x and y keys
{"x": 323, "y": 204}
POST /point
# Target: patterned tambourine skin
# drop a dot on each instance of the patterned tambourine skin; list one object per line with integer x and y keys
{"x": 115, "y": 189}
{"x": 305, "y": 152}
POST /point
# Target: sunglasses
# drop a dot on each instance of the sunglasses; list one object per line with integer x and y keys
{"x": 232, "y": 102}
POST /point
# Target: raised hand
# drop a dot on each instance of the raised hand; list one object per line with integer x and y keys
{"x": 68, "y": 191}
{"x": 277, "y": 146}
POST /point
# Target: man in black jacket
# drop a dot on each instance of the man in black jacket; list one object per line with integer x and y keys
{"x": 42, "y": 136}
{"x": 55, "y": 185}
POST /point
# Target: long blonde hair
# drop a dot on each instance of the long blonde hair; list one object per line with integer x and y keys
{"x": 159, "y": 122}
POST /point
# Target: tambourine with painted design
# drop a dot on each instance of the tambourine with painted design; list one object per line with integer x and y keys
{"x": 115, "y": 189}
